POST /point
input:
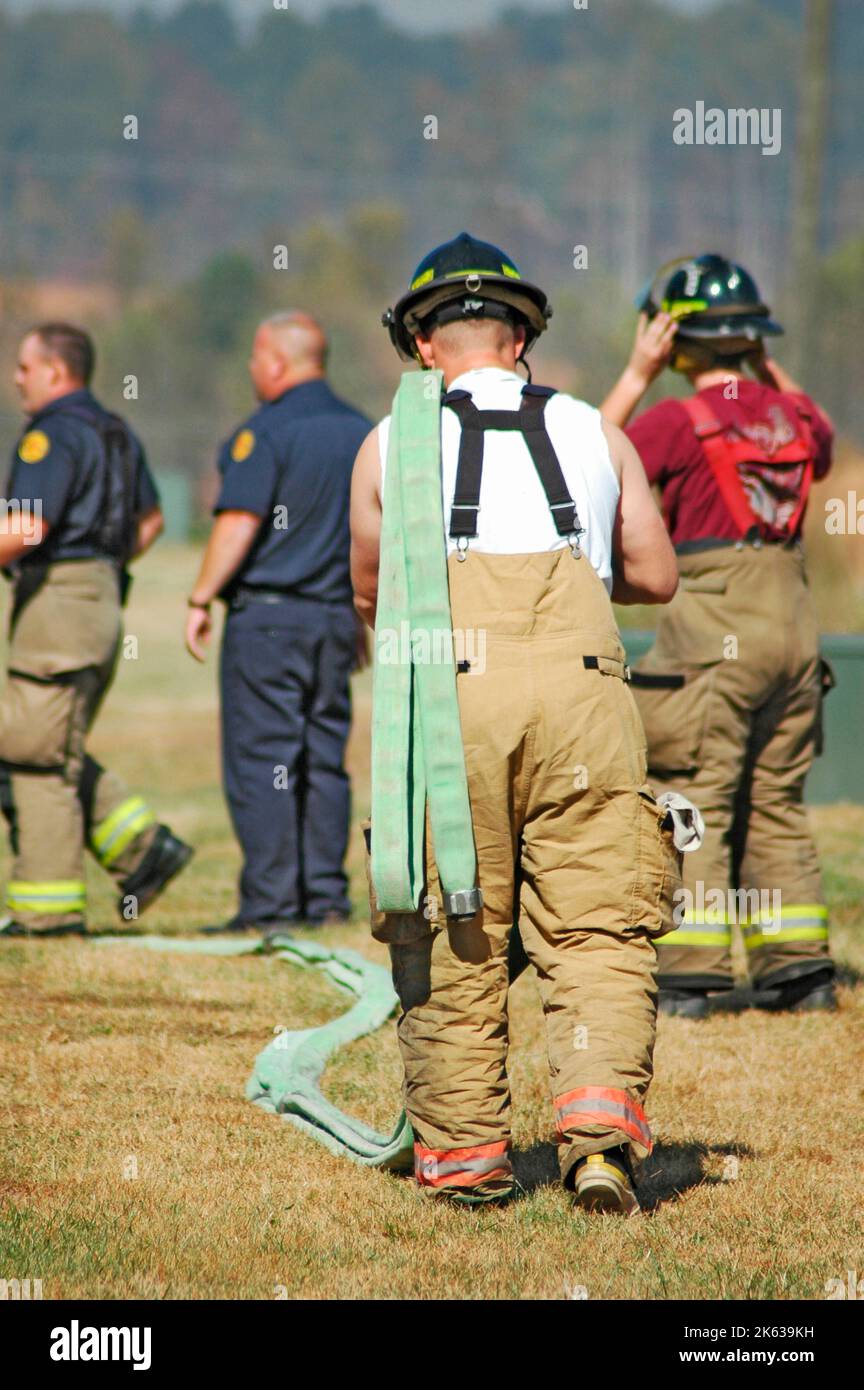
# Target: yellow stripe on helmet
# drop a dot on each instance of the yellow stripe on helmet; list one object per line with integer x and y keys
{"x": 679, "y": 308}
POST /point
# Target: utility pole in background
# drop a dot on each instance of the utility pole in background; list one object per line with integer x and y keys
{"x": 809, "y": 174}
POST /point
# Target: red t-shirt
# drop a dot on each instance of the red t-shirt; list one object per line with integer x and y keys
{"x": 673, "y": 457}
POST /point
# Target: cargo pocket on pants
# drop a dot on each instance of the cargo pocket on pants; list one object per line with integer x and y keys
{"x": 394, "y": 928}
{"x": 36, "y": 722}
{"x": 658, "y": 878}
{"x": 674, "y": 708}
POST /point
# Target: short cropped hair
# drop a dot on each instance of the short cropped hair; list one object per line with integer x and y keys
{"x": 72, "y": 345}
{"x": 460, "y": 335}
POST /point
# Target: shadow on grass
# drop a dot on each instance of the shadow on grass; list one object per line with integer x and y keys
{"x": 674, "y": 1168}
{"x": 671, "y": 1169}
{"x": 536, "y": 1167}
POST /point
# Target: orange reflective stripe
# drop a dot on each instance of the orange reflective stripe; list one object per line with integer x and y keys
{"x": 461, "y": 1179}
{"x": 602, "y": 1105}
{"x": 461, "y": 1167}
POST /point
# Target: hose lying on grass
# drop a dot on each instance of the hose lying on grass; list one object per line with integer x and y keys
{"x": 286, "y": 1075}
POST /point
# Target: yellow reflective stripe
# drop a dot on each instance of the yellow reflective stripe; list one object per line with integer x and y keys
{"x": 795, "y": 922}
{"x": 54, "y": 895}
{"x": 677, "y": 308}
{"x": 509, "y": 270}
{"x": 798, "y": 912}
{"x": 118, "y": 830}
{"x": 755, "y": 937}
{"x": 720, "y": 936}
{"x": 709, "y": 929}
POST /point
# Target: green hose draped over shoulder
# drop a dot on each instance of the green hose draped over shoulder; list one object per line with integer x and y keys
{"x": 417, "y": 752}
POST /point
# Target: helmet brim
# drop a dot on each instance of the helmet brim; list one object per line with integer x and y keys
{"x": 745, "y": 326}
{"x": 406, "y": 319}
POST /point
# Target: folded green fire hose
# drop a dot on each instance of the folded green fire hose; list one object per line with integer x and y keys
{"x": 417, "y": 753}
{"x": 286, "y": 1075}
{"x": 417, "y": 758}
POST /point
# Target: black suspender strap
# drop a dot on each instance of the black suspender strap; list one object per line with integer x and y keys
{"x": 561, "y": 504}
{"x": 529, "y": 420}
{"x": 469, "y": 469}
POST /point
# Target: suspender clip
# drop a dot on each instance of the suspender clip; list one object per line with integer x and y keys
{"x": 462, "y": 548}
{"x": 573, "y": 542}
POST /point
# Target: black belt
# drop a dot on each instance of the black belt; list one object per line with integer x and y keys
{"x": 253, "y": 593}
{"x": 718, "y": 543}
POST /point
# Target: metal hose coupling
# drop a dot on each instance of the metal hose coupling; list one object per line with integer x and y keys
{"x": 466, "y": 902}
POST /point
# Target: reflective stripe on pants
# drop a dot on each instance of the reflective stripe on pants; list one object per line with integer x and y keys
{"x": 125, "y": 824}
{"x": 58, "y": 895}
{"x": 461, "y": 1167}
{"x": 798, "y": 922}
{"x": 601, "y": 1105}
{"x": 696, "y": 931}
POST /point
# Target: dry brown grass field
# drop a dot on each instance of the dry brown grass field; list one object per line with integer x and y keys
{"x": 131, "y": 1166}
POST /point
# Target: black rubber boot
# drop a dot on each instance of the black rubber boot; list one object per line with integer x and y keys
{"x": 163, "y": 861}
{"x": 812, "y": 992}
{"x": 684, "y": 1003}
{"x": 13, "y": 928}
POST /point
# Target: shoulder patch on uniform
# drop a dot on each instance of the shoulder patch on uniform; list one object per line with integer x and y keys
{"x": 243, "y": 446}
{"x": 34, "y": 447}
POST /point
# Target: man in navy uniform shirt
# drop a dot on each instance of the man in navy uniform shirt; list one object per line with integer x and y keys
{"x": 80, "y": 505}
{"x": 279, "y": 557}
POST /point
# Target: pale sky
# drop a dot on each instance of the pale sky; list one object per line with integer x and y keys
{"x": 414, "y": 14}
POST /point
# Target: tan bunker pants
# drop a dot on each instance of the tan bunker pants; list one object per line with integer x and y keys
{"x": 62, "y": 657}
{"x": 570, "y": 846}
{"x": 730, "y": 696}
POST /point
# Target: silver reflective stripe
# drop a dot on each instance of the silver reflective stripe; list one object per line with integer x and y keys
{"x": 767, "y": 923}
{"x": 613, "y": 1108}
{"x": 468, "y": 1165}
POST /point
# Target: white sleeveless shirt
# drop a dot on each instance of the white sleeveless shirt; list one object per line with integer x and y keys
{"x": 514, "y": 516}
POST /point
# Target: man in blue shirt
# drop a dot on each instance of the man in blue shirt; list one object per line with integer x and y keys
{"x": 80, "y": 504}
{"x": 278, "y": 556}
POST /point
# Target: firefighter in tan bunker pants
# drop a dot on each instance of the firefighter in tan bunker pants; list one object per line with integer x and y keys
{"x": 570, "y": 841}
{"x": 731, "y": 693}
{"x": 80, "y": 505}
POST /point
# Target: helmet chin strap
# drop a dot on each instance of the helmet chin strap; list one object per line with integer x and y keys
{"x": 467, "y": 311}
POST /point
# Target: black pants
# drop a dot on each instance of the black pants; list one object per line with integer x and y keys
{"x": 286, "y": 714}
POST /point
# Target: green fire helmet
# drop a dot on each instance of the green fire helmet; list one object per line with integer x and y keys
{"x": 715, "y": 303}
{"x": 465, "y": 278}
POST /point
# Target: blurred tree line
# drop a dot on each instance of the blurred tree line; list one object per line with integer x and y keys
{"x": 552, "y": 133}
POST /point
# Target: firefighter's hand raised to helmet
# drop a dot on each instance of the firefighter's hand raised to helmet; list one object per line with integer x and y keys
{"x": 652, "y": 351}
{"x": 653, "y": 346}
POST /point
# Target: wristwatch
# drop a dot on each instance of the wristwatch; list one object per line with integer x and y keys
{"x": 193, "y": 603}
